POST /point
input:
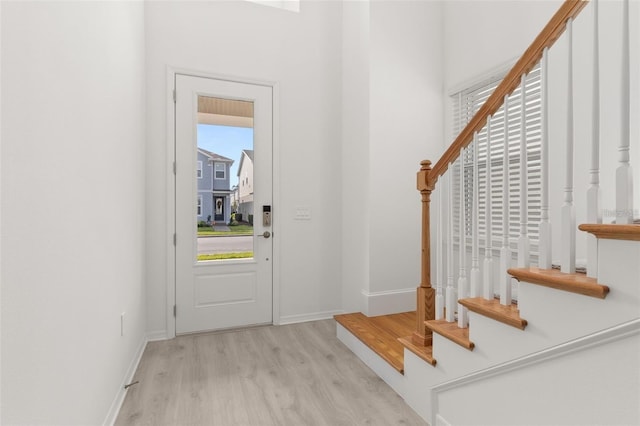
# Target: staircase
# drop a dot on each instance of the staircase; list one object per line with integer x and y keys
{"x": 570, "y": 336}
{"x": 523, "y": 338}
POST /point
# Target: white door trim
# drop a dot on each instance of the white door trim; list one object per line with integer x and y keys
{"x": 171, "y": 188}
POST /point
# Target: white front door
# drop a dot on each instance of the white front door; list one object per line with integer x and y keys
{"x": 223, "y": 277}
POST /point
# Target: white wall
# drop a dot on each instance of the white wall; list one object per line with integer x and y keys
{"x": 72, "y": 207}
{"x": 0, "y": 211}
{"x": 480, "y": 35}
{"x": 301, "y": 52}
{"x": 406, "y": 128}
{"x": 476, "y": 41}
{"x": 355, "y": 153}
{"x": 392, "y": 94}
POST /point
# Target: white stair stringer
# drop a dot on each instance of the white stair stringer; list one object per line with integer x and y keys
{"x": 554, "y": 318}
{"x": 590, "y": 380}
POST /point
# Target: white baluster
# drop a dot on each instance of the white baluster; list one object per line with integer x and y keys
{"x": 505, "y": 252}
{"x": 439, "y": 314}
{"x": 476, "y": 284}
{"x": 594, "y": 213}
{"x": 463, "y": 319}
{"x": 450, "y": 297}
{"x": 544, "y": 260}
{"x": 624, "y": 176}
{"x": 488, "y": 253}
{"x": 568, "y": 263}
{"x": 523, "y": 240}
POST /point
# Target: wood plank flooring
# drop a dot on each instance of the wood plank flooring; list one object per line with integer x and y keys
{"x": 298, "y": 374}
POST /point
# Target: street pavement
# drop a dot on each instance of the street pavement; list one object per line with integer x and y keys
{"x": 215, "y": 245}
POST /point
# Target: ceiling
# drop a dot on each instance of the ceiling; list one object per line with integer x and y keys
{"x": 225, "y": 112}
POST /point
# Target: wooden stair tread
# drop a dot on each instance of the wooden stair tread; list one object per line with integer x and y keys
{"x": 613, "y": 231}
{"x": 507, "y": 314}
{"x": 574, "y": 283}
{"x": 396, "y": 324}
{"x": 451, "y": 331}
{"x": 424, "y": 352}
{"x": 371, "y": 332}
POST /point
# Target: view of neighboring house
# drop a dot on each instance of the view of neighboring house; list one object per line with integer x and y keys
{"x": 245, "y": 185}
{"x": 214, "y": 193}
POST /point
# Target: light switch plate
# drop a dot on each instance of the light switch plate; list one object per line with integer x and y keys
{"x": 303, "y": 213}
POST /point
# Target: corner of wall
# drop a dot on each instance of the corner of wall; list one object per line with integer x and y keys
{"x": 355, "y": 153}
{"x": 112, "y": 414}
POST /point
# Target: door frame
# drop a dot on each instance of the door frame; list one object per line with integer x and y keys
{"x": 171, "y": 188}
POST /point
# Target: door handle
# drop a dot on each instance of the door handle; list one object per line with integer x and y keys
{"x": 265, "y": 234}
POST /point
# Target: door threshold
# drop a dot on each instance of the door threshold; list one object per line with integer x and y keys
{"x": 226, "y": 330}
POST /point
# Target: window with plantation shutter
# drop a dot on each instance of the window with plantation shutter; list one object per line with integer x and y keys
{"x": 466, "y": 103}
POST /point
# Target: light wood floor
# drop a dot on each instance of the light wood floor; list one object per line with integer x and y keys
{"x": 298, "y": 374}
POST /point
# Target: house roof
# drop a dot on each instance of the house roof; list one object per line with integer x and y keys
{"x": 215, "y": 157}
{"x": 249, "y": 153}
{"x": 246, "y": 153}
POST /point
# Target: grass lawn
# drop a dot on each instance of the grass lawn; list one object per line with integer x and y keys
{"x": 233, "y": 230}
{"x": 223, "y": 256}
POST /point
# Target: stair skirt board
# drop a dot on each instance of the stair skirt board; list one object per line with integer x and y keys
{"x": 382, "y": 368}
{"x": 609, "y": 336}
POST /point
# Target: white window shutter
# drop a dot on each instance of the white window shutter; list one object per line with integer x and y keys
{"x": 465, "y": 104}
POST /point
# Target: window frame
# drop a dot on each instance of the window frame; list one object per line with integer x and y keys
{"x": 215, "y": 171}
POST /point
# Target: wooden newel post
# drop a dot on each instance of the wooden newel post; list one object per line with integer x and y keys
{"x": 425, "y": 294}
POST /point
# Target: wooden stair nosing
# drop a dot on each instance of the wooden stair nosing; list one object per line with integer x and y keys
{"x": 451, "y": 331}
{"x": 506, "y": 314}
{"x": 378, "y": 340}
{"x": 574, "y": 283}
{"x": 423, "y": 352}
{"x": 628, "y": 232}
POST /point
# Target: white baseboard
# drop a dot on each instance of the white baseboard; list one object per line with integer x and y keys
{"x": 112, "y": 415}
{"x": 440, "y": 421}
{"x": 388, "y": 302}
{"x": 379, "y": 366}
{"x": 315, "y": 316}
{"x": 153, "y": 336}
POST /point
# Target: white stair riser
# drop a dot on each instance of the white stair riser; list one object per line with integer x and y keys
{"x": 619, "y": 268}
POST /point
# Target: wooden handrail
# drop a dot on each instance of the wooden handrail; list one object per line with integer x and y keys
{"x": 427, "y": 176}
{"x": 531, "y": 56}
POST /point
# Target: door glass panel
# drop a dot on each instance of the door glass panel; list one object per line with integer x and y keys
{"x": 224, "y": 179}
